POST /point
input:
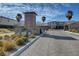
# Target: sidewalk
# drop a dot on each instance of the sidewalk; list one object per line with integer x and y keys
{"x": 54, "y": 43}
{"x": 72, "y": 34}
{"x": 19, "y": 51}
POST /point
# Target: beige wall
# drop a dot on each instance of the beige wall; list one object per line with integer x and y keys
{"x": 7, "y": 21}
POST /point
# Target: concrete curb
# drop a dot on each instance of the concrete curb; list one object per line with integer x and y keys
{"x": 72, "y": 33}
{"x": 19, "y": 51}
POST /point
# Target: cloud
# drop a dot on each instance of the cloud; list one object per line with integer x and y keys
{"x": 66, "y": 4}
{"x": 49, "y": 10}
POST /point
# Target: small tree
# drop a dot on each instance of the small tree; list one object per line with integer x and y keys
{"x": 69, "y": 16}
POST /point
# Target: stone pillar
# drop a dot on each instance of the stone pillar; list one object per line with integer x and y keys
{"x": 30, "y": 21}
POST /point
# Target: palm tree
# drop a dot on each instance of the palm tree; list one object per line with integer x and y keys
{"x": 69, "y": 16}
{"x": 18, "y": 18}
{"x": 43, "y": 18}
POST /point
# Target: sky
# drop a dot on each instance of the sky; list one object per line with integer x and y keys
{"x": 52, "y": 11}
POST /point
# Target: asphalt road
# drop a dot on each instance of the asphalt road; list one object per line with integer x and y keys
{"x": 54, "y": 43}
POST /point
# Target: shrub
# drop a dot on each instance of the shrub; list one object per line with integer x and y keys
{"x": 73, "y": 30}
{"x": 2, "y": 52}
{"x": 6, "y": 37}
{"x": 9, "y": 29}
{"x": 4, "y": 30}
{"x": 32, "y": 36}
{"x": 25, "y": 39}
{"x": 13, "y": 36}
{"x": 1, "y": 37}
{"x": 20, "y": 41}
{"x": 26, "y": 35}
{"x": 19, "y": 36}
{"x": 9, "y": 45}
{"x": 1, "y": 43}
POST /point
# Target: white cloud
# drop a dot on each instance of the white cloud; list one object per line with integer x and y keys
{"x": 49, "y": 10}
{"x": 66, "y": 4}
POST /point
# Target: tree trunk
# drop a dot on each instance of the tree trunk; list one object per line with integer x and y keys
{"x": 69, "y": 25}
{"x": 18, "y": 28}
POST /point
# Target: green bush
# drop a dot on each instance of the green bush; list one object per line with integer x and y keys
{"x": 2, "y": 52}
{"x": 13, "y": 36}
{"x": 74, "y": 30}
{"x": 1, "y": 43}
{"x": 25, "y": 39}
{"x": 32, "y": 36}
{"x": 9, "y": 45}
{"x": 20, "y": 41}
{"x": 6, "y": 37}
{"x": 26, "y": 35}
{"x": 1, "y": 37}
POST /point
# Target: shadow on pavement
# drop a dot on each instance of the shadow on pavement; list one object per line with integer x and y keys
{"x": 59, "y": 37}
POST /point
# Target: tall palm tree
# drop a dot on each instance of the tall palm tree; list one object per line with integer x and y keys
{"x": 18, "y": 18}
{"x": 69, "y": 16}
{"x": 43, "y": 18}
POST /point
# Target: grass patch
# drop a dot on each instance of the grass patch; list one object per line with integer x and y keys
{"x": 6, "y": 37}
{"x": 2, "y": 52}
{"x": 1, "y": 37}
{"x": 9, "y": 45}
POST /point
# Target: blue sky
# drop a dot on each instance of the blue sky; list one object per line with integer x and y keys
{"x": 53, "y": 12}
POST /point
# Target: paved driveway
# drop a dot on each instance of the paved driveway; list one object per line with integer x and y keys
{"x": 54, "y": 43}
